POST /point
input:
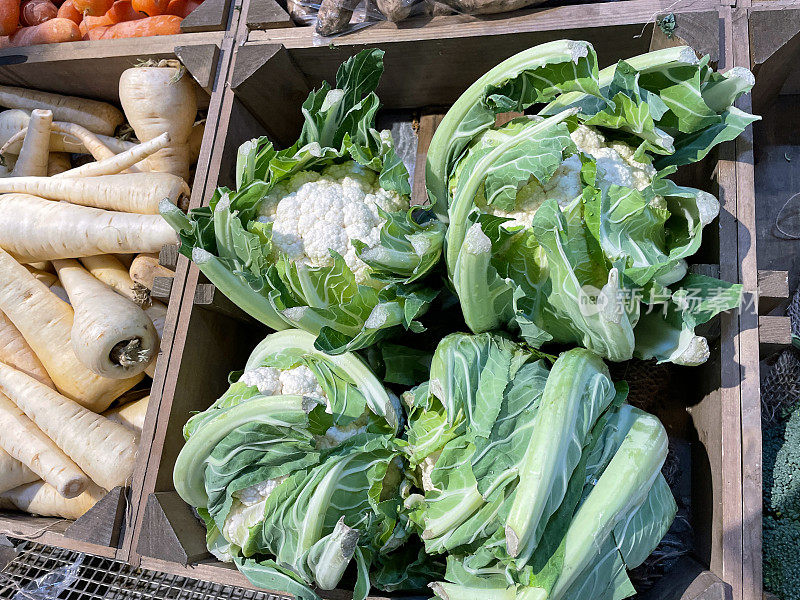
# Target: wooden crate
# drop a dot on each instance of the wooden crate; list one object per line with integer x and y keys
{"x": 93, "y": 70}
{"x": 271, "y": 75}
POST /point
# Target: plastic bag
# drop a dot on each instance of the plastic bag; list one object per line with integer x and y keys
{"x": 50, "y": 585}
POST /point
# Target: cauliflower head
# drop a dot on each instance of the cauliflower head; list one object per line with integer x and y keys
{"x": 313, "y": 213}
{"x": 616, "y": 165}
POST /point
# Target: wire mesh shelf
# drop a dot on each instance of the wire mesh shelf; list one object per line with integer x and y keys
{"x": 39, "y": 572}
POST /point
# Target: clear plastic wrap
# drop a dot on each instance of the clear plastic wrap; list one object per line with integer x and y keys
{"x": 52, "y": 584}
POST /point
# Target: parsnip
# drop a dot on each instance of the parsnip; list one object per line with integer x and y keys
{"x": 13, "y": 473}
{"x": 111, "y": 335}
{"x": 110, "y": 270}
{"x": 44, "y": 276}
{"x": 130, "y": 415}
{"x": 125, "y": 259}
{"x": 99, "y": 117}
{"x": 58, "y": 162}
{"x": 16, "y": 352}
{"x": 24, "y": 441}
{"x": 35, "y": 152}
{"x": 127, "y": 192}
{"x": 33, "y": 229}
{"x": 88, "y": 140}
{"x": 120, "y": 162}
{"x": 46, "y": 323}
{"x": 104, "y": 450}
{"x": 7, "y": 166}
{"x": 41, "y": 499}
{"x": 161, "y": 99}
{"x": 145, "y": 268}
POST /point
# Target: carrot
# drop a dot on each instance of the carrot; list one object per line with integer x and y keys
{"x": 110, "y": 270}
{"x": 122, "y": 11}
{"x": 111, "y": 335}
{"x": 53, "y": 31}
{"x": 36, "y": 12}
{"x": 158, "y": 25}
{"x": 120, "y": 162}
{"x": 130, "y": 415}
{"x": 145, "y": 268}
{"x": 46, "y": 323}
{"x": 104, "y": 450}
{"x": 92, "y": 8}
{"x": 158, "y": 99}
{"x": 158, "y": 315}
{"x": 182, "y": 8}
{"x": 96, "y": 116}
{"x": 58, "y": 162}
{"x": 35, "y": 152}
{"x": 9, "y": 16}
{"x": 13, "y": 473}
{"x": 15, "y": 352}
{"x": 41, "y": 499}
{"x": 25, "y": 442}
{"x": 150, "y": 7}
{"x": 129, "y": 192}
{"x": 33, "y": 229}
{"x": 68, "y": 11}
{"x": 90, "y": 23}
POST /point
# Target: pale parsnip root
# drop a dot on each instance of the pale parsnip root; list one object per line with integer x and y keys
{"x": 110, "y": 270}
{"x": 157, "y": 100}
{"x": 104, "y": 450}
{"x": 99, "y": 117}
{"x": 45, "y": 277}
{"x": 16, "y": 352}
{"x": 130, "y": 415}
{"x": 120, "y": 162}
{"x": 46, "y": 323}
{"x": 33, "y": 229}
{"x": 59, "y": 162}
{"x": 111, "y": 335}
{"x": 24, "y": 441}
{"x": 35, "y": 152}
{"x": 126, "y": 192}
{"x": 13, "y": 473}
{"x": 145, "y": 268}
{"x": 41, "y": 499}
{"x": 125, "y": 259}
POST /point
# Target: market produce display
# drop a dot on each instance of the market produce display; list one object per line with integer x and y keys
{"x": 79, "y": 330}
{"x": 33, "y": 22}
{"x": 503, "y": 472}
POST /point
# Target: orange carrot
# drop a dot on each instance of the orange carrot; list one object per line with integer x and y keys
{"x": 89, "y": 23}
{"x": 182, "y": 8}
{"x": 122, "y": 11}
{"x": 150, "y": 7}
{"x": 9, "y": 16}
{"x": 159, "y": 25}
{"x": 93, "y": 8}
{"x": 68, "y": 11}
{"x": 36, "y": 12}
{"x": 49, "y": 32}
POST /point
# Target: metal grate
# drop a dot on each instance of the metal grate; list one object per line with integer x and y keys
{"x": 95, "y": 578}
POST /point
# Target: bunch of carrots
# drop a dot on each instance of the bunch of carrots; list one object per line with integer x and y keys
{"x": 79, "y": 237}
{"x": 31, "y": 22}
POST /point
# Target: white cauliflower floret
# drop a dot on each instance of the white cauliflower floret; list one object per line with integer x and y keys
{"x": 247, "y": 510}
{"x": 270, "y": 381}
{"x": 314, "y": 213}
{"x": 426, "y": 468}
{"x": 615, "y": 165}
{"x": 337, "y": 435}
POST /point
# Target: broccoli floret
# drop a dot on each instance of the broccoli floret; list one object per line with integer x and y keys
{"x": 781, "y": 451}
{"x": 781, "y": 561}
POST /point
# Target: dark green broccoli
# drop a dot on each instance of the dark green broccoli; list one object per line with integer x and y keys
{"x": 781, "y": 450}
{"x": 781, "y": 559}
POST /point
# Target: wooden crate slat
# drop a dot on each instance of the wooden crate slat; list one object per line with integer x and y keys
{"x": 103, "y": 523}
{"x": 211, "y": 15}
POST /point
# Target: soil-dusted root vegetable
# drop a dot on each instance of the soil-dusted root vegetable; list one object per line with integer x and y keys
{"x": 300, "y": 13}
{"x": 111, "y": 335}
{"x": 35, "y": 152}
{"x": 161, "y": 99}
{"x": 96, "y": 116}
{"x": 53, "y": 31}
{"x": 24, "y": 441}
{"x": 9, "y": 16}
{"x": 395, "y": 10}
{"x": 34, "y": 229}
{"x": 334, "y": 16}
{"x": 36, "y": 12}
{"x": 149, "y": 26}
{"x": 158, "y": 315}
{"x": 68, "y": 11}
{"x": 15, "y": 352}
{"x": 120, "y": 162}
{"x": 58, "y": 162}
{"x": 145, "y": 268}
{"x": 150, "y": 7}
{"x": 110, "y": 270}
{"x": 41, "y": 499}
{"x": 104, "y": 450}
{"x": 126, "y": 192}
{"x": 13, "y": 473}
{"x": 130, "y": 415}
{"x": 46, "y": 324}
{"x": 93, "y": 8}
